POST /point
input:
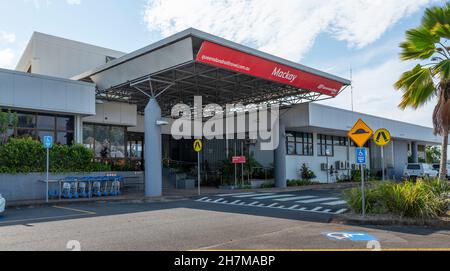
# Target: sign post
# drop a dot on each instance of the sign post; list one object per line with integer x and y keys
{"x": 198, "y": 146}
{"x": 239, "y": 160}
{"x": 382, "y": 137}
{"x": 360, "y": 133}
{"x": 361, "y": 160}
{"x": 48, "y": 144}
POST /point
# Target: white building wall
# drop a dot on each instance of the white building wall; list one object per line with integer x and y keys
{"x": 59, "y": 57}
{"x": 295, "y": 162}
{"x": 113, "y": 113}
{"x": 26, "y": 91}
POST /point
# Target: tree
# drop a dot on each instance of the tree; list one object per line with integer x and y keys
{"x": 7, "y": 120}
{"x": 433, "y": 154}
{"x": 428, "y": 44}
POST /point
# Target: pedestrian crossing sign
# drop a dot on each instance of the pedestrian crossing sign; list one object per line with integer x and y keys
{"x": 382, "y": 137}
{"x": 198, "y": 145}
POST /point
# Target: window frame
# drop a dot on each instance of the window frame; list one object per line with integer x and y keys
{"x": 303, "y": 139}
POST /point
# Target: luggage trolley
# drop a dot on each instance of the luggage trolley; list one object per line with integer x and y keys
{"x": 83, "y": 187}
{"x": 115, "y": 188}
{"x": 69, "y": 187}
{"x": 96, "y": 186}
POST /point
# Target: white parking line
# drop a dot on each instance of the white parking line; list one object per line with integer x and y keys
{"x": 235, "y": 194}
{"x": 273, "y": 205}
{"x": 235, "y": 202}
{"x": 254, "y": 203}
{"x": 273, "y": 196}
{"x": 333, "y": 203}
{"x": 316, "y": 209}
{"x": 296, "y": 198}
{"x": 218, "y": 200}
{"x": 341, "y": 211}
{"x": 252, "y": 195}
{"x": 316, "y": 200}
{"x": 293, "y": 207}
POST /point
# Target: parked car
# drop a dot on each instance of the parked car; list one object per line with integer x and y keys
{"x": 438, "y": 166}
{"x": 414, "y": 170}
{"x": 2, "y": 204}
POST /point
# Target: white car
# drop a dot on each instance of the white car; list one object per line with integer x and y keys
{"x": 414, "y": 170}
{"x": 2, "y": 204}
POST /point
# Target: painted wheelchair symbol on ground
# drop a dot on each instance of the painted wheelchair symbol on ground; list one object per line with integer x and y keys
{"x": 350, "y": 236}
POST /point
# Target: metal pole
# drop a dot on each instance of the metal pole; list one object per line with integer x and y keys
{"x": 46, "y": 196}
{"x": 242, "y": 165}
{"x": 328, "y": 171}
{"x": 382, "y": 163}
{"x": 198, "y": 172}
{"x": 363, "y": 193}
{"x": 235, "y": 166}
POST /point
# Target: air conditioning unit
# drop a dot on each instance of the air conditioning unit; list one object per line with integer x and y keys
{"x": 340, "y": 165}
{"x": 354, "y": 167}
{"x": 347, "y": 165}
{"x": 323, "y": 167}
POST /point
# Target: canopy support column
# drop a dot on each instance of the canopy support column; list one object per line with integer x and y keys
{"x": 153, "y": 150}
{"x": 280, "y": 159}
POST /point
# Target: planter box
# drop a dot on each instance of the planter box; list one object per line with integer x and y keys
{"x": 21, "y": 187}
{"x": 186, "y": 184}
{"x": 259, "y": 183}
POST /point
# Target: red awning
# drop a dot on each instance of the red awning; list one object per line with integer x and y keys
{"x": 224, "y": 57}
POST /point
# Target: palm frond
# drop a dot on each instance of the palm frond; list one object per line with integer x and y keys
{"x": 417, "y": 86}
{"x": 443, "y": 69}
{"x": 420, "y": 44}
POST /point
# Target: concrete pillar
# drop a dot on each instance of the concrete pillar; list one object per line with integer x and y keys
{"x": 280, "y": 159}
{"x": 153, "y": 150}
{"x": 414, "y": 155}
{"x": 78, "y": 130}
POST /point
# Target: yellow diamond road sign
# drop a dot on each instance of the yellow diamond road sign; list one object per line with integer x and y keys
{"x": 198, "y": 145}
{"x": 360, "y": 133}
{"x": 382, "y": 137}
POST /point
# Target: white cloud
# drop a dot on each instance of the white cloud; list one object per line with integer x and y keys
{"x": 73, "y": 2}
{"x": 286, "y": 28}
{"x": 6, "y": 58}
{"x": 374, "y": 94}
{"x": 7, "y": 37}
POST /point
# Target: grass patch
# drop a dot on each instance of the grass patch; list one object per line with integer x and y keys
{"x": 422, "y": 199}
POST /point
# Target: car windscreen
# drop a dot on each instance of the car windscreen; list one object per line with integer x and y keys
{"x": 413, "y": 167}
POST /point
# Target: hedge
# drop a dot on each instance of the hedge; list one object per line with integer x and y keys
{"x": 26, "y": 156}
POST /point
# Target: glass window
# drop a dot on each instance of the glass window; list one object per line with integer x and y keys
{"x": 26, "y": 120}
{"x": 21, "y": 133}
{"x": 88, "y": 136}
{"x": 102, "y": 141}
{"x": 46, "y": 122}
{"x": 65, "y": 138}
{"x": 117, "y": 135}
{"x": 299, "y": 143}
{"x": 325, "y": 145}
{"x": 65, "y": 124}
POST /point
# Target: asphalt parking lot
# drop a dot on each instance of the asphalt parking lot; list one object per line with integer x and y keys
{"x": 222, "y": 221}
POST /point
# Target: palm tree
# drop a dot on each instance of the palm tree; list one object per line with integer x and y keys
{"x": 428, "y": 44}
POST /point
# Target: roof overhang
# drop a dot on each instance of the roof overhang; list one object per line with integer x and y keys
{"x": 193, "y": 63}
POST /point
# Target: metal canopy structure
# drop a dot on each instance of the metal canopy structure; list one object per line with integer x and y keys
{"x": 179, "y": 83}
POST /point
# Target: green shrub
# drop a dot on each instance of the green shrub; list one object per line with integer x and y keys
{"x": 26, "y": 155}
{"x": 300, "y": 182}
{"x": 423, "y": 199}
{"x": 267, "y": 185}
{"x": 306, "y": 173}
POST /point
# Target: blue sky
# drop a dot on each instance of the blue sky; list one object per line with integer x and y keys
{"x": 329, "y": 35}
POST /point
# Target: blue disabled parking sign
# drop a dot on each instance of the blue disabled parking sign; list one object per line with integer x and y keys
{"x": 48, "y": 142}
{"x": 360, "y": 156}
